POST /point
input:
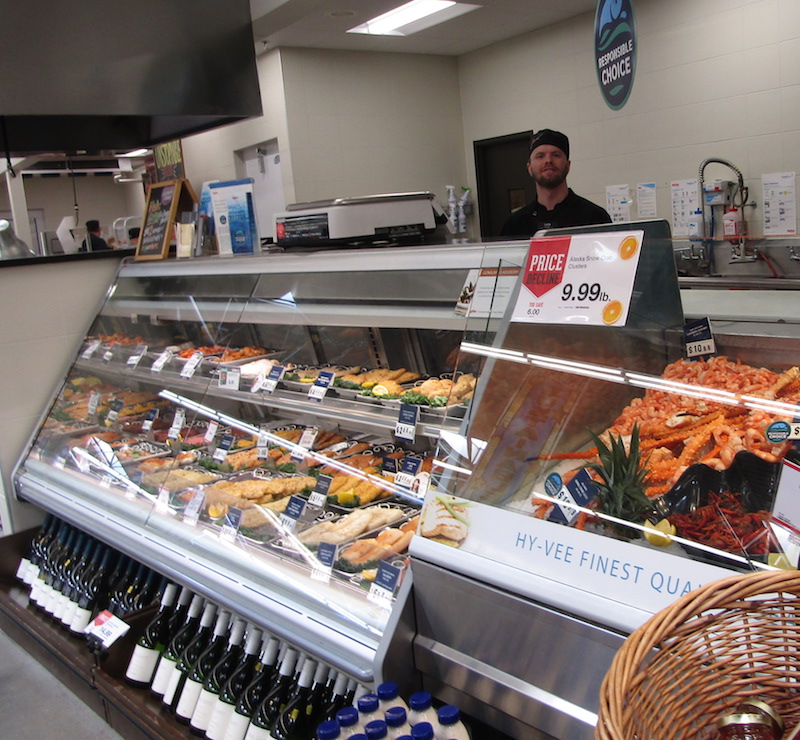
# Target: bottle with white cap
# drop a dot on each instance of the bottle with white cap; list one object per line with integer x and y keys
{"x": 450, "y": 725}
{"x": 397, "y": 722}
{"x": 421, "y": 708}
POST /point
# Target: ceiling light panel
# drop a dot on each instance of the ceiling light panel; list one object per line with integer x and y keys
{"x": 413, "y": 17}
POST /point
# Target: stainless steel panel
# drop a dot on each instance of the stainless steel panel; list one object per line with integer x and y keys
{"x": 518, "y": 664}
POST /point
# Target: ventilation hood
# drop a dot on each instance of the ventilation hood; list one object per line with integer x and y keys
{"x": 115, "y": 75}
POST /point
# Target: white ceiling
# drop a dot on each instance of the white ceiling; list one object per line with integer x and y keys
{"x": 323, "y": 24}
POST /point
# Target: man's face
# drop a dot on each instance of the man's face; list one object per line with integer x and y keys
{"x": 548, "y": 166}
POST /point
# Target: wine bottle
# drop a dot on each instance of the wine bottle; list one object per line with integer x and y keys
{"x": 179, "y": 613}
{"x": 150, "y": 592}
{"x": 54, "y": 576}
{"x": 152, "y": 643}
{"x": 41, "y": 590}
{"x": 216, "y": 678}
{"x": 26, "y": 564}
{"x": 63, "y": 570}
{"x": 181, "y": 635}
{"x": 119, "y": 583}
{"x": 293, "y": 721}
{"x": 318, "y": 698}
{"x": 275, "y": 700}
{"x": 38, "y": 547}
{"x": 336, "y": 701}
{"x": 193, "y": 685}
{"x": 233, "y": 688}
{"x": 123, "y": 601}
{"x": 266, "y": 674}
{"x": 72, "y": 589}
{"x": 190, "y": 655}
{"x": 92, "y": 589}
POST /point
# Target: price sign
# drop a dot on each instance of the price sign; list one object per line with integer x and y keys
{"x": 578, "y": 492}
{"x": 191, "y": 514}
{"x": 409, "y": 468}
{"x": 320, "y": 387}
{"x": 293, "y": 512}
{"x": 177, "y": 424}
{"x": 323, "y": 565}
{"x": 229, "y": 378}
{"x": 389, "y": 465}
{"x": 90, "y": 349}
{"x": 108, "y": 355}
{"x": 191, "y": 365}
{"x": 406, "y": 426}
{"x": 274, "y": 377}
{"x": 106, "y": 628}
{"x": 113, "y": 410}
{"x": 224, "y": 446}
{"x": 305, "y": 444}
{"x": 136, "y": 357}
{"x": 211, "y": 432}
{"x": 161, "y": 361}
{"x": 382, "y": 590}
{"x": 699, "y": 339}
{"x": 162, "y": 501}
{"x": 319, "y": 496}
{"x": 147, "y": 424}
{"x": 584, "y": 278}
{"x": 94, "y": 402}
{"x": 262, "y": 444}
{"x": 230, "y": 527}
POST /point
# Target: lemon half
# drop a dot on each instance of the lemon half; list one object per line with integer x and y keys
{"x": 660, "y": 533}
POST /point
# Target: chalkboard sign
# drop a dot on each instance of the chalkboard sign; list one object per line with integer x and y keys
{"x": 160, "y": 215}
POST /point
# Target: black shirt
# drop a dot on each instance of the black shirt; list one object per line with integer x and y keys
{"x": 572, "y": 211}
{"x": 98, "y": 244}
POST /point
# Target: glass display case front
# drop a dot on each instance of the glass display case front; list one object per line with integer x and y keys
{"x": 264, "y": 431}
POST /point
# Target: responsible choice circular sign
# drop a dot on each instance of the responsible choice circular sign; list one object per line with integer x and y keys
{"x": 615, "y": 50}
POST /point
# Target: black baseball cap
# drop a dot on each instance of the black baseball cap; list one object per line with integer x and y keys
{"x": 548, "y": 136}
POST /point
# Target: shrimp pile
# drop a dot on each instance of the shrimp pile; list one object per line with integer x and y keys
{"x": 678, "y": 429}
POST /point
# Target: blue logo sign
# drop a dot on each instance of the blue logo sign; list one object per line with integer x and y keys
{"x": 615, "y": 50}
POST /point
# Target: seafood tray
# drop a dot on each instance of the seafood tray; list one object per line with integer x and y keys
{"x": 137, "y": 451}
{"x": 155, "y": 481}
{"x": 215, "y": 361}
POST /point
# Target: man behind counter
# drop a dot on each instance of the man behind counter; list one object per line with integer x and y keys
{"x": 555, "y": 205}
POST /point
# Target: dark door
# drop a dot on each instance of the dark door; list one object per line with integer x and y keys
{"x": 503, "y": 182}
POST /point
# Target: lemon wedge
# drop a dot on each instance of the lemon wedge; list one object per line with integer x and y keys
{"x": 779, "y": 560}
{"x": 660, "y": 533}
{"x": 380, "y": 390}
{"x": 369, "y": 574}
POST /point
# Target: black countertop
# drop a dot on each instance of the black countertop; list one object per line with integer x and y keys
{"x": 55, "y": 258}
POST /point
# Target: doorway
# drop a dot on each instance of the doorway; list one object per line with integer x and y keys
{"x": 503, "y": 182}
{"x": 262, "y": 163}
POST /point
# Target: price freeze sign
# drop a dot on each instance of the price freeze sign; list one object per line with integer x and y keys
{"x": 579, "y": 279}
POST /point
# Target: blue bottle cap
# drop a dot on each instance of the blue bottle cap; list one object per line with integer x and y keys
{"x": 449, "y": 714}
{"x": 388, "y": 690}
{"x": 404, "y": 737}
{"x": 395, "y": 716}
{"x": 376, "y": 730}
{"x": 358, "y": 736}
{"x": 328, "y": 730}
{"x": 422, "y": 731}
{"x": 347, "y": 716}
{"x": 368, "y": 703}
{"x": 420, "y": 701}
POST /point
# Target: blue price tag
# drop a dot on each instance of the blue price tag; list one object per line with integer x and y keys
{"x": 410, "y": 465}
{"x": 326, "y": 554}
{"x": 323, "y": 484}
{"x": 578, "y": 492}
{"x": 389, "y": 465}
{"x": 295, "y": 507}
{"x": 406, "y": 427}
{"x": 699, "y": 339}
{"x": 387, "y": 576}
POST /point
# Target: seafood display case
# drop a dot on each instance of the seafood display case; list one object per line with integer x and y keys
{"x": 236, "y": 425}
{"x": 611, "y": 461}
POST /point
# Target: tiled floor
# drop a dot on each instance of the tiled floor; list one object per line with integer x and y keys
{"x": 34, "y": 705}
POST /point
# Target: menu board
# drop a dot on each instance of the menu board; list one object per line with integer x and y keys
{"x": 160, "y": 213}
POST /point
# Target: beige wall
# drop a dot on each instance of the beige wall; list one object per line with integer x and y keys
{"x": 717, "y": 78}
{"x": 47, "y": 310}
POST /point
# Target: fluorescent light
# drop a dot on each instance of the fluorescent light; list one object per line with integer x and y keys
{"x": 412, "y": 17}
{"x": 135, "y": 153}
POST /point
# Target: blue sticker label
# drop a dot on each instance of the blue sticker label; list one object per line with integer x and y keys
{"x": 389, "y": 465}
{"x": 387, "y": 576}
{"x": 226, "y": 442}
{"x": 323, "y": 484}
{"x": 410, "y": 465}
{"x": 295, "y": 507}
{"x": 326, "y": 554}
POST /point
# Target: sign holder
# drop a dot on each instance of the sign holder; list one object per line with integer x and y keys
{"x": 164, "y": 202}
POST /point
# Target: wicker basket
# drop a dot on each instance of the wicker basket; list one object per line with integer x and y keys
{"x": 695, "y": 660}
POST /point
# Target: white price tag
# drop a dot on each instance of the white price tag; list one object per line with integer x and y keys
{"x": 305, "y": 444}
{"x": 584, "y": 278}
{"x": 107, "y": 628}
{"x": 258, "y": 383}
{"x": 317, "y": 499}
{"x": 231, "y": 526}
{"x": 90, "y": 349}
{"x": 287, "y": 523}
{"x": 177, "y": 424}
{"x": 162, "y": 501}
{"x": 698, "y": 349}
{"x": 229, "y": 378}
{"x": 274, "y": 377}
{"x": 320, "y": 387}
{"x": 321, "y": 573}
{"x": 406, "y": 426}
{"x": 380, "y": 596}
{"x": 94, "y": 402}
{"x": 108, "y": 355}
{"x": 191, "y": 514}
{"x": 161, "y": 361}
{"x": 211, "y": 432}
{"x": 147, "y": 424}
{"x": 794, "y": 432}
{"x": 191, "y": 365}
{"x": 136, "y": 357}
